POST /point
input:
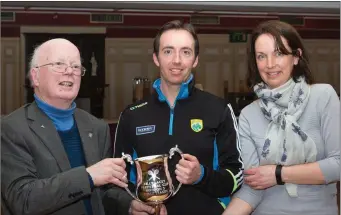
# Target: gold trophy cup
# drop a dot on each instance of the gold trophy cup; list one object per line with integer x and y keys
{"x": 154, "y": 184}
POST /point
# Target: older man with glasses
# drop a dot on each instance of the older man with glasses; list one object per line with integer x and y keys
{"x": 55, "y": 157}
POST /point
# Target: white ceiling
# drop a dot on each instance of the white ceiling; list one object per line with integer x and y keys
{"x": 266, "y": 7}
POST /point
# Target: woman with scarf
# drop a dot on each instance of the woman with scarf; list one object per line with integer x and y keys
{"x": 290, "y": 134}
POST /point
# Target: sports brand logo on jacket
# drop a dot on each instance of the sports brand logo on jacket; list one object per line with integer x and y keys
{"x": 197, "y": 125}
{"x": 138, "y": 106}
{"x": 147, "y": 129}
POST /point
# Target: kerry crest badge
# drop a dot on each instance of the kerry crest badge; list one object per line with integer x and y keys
{"x": 197, "y": 125}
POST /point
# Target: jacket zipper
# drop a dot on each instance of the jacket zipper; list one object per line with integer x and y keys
{"x": 171, "y": 119}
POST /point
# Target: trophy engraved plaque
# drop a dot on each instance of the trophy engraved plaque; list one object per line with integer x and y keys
{"x": 154, "y": 184}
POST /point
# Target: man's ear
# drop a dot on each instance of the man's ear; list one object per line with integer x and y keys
{"x": 297, "y": 56}
{"x": 156, "y": 60}
{"x": 35, "y": 76}
{"x": 195, "y": 62}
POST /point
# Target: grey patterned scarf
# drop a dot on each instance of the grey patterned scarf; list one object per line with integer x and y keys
{"x": 285, "y": 142}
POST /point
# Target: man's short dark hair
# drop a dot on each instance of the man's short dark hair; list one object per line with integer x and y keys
{"x": 176, "y": 25}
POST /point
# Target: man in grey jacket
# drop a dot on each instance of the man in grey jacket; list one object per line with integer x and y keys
{"x": 56, "y": 158}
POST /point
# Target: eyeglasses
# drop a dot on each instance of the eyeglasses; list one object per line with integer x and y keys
{"x": 62, "y": 67}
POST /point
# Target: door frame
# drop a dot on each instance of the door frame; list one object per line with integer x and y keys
{"x": 47, "y": 30}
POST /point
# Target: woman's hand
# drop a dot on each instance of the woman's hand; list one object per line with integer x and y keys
{"x": 260, "y": 178}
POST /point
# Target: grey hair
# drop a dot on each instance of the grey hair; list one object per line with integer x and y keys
{"x": 33, "y": 63}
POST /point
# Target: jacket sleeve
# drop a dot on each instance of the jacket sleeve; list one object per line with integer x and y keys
{"x": 106, "y": 153}
{"x": 22, "y": 190}
{"x": 228, "y": 177}
{"x": 329, "y": 108}
{"x": 116, "y": 200}
{"x": 250, "y": 159}
{"x": 108, "y": 144}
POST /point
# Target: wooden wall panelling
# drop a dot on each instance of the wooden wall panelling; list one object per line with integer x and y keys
{"x": 215, "y": 62}
{"x": 221, "y": 62}
{"x": 239, "y": 66}
{"x": 126, "y": 58}
{"x": 10, "y": 85}
{"x": 325, "y": 61}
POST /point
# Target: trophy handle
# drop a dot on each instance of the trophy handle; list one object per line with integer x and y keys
{"x": 171, "y": 154}
{"x": 129, "y": 159}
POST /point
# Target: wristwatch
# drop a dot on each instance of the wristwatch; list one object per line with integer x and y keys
{"x": 278, "y": 173}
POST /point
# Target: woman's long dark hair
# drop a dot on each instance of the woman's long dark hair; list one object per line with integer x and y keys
{"x": 279, "y": 29}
